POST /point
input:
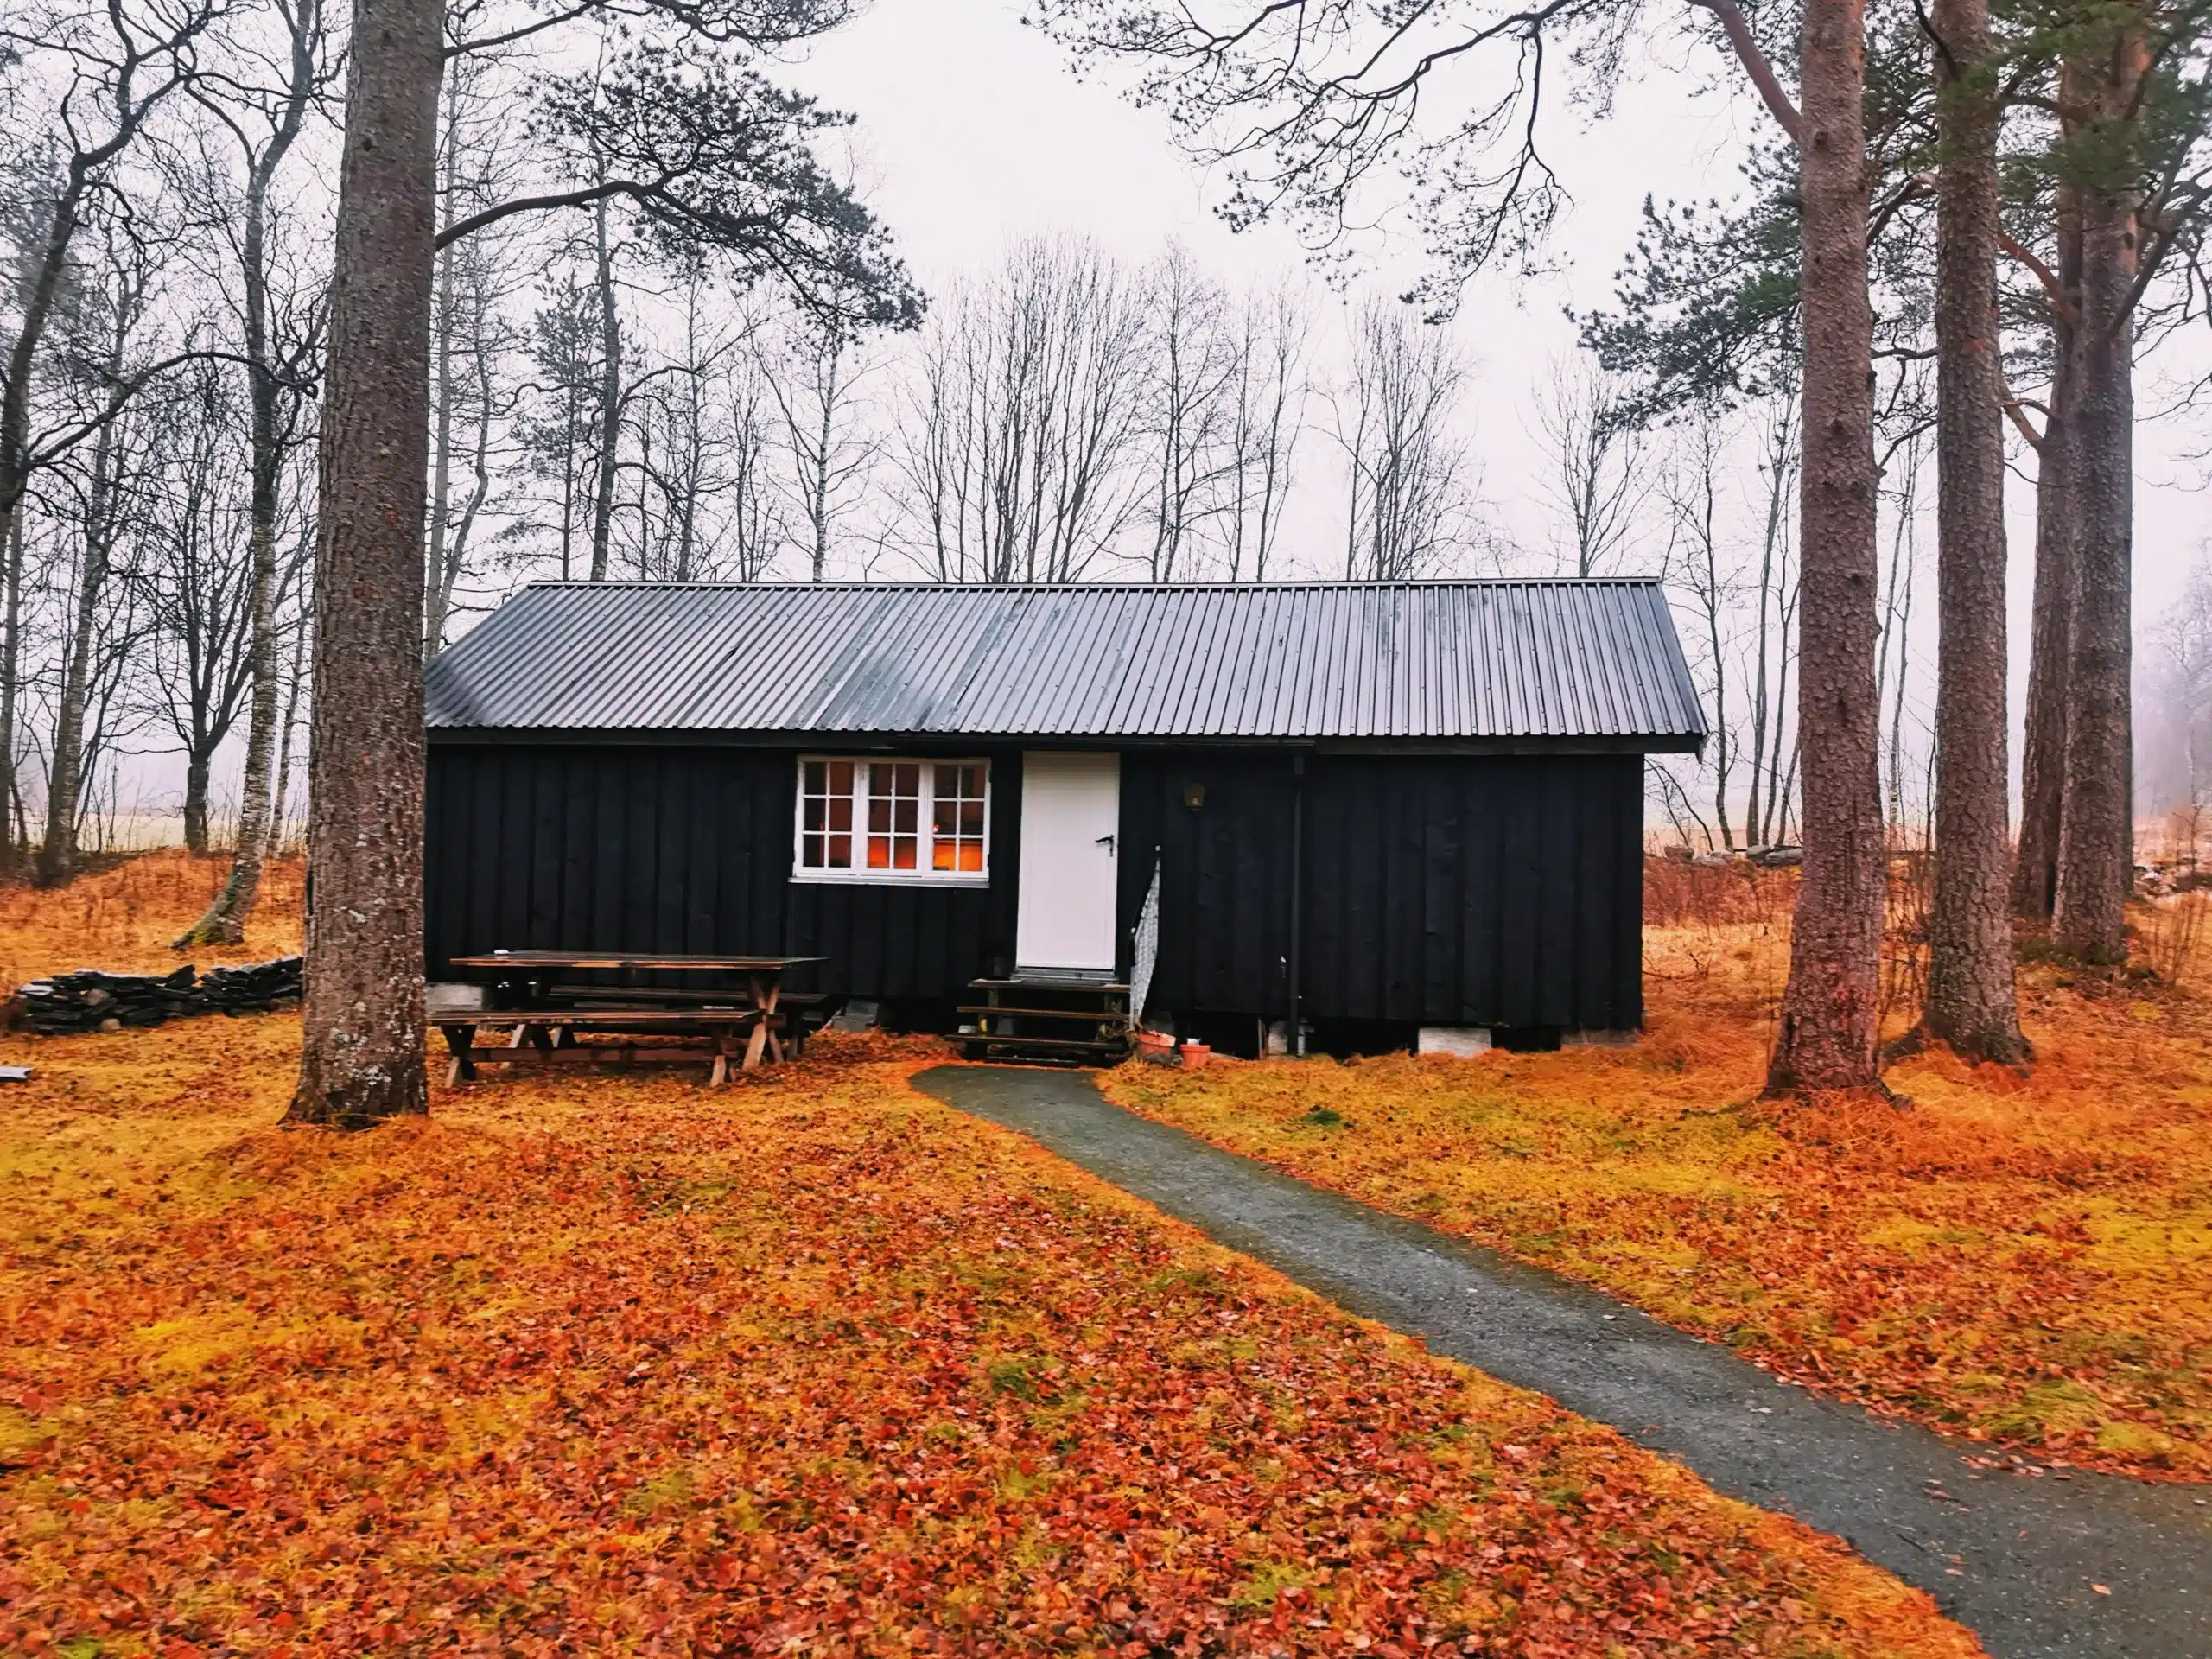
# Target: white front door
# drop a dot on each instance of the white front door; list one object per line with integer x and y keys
{"x": 1071, "y": 831}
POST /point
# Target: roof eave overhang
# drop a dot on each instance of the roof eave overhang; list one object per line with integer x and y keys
{"x": 1529, "y": 743}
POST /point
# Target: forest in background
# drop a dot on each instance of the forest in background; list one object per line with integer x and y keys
{"x": 632, "y": 377}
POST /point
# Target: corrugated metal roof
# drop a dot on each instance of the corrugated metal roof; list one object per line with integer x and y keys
{"x": 1415, "y": 661}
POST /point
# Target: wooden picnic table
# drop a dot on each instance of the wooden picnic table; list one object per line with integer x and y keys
{"x": 536, "y": 979}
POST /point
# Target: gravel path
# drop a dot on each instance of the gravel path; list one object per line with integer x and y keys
{"x": 2013, "y": 1558}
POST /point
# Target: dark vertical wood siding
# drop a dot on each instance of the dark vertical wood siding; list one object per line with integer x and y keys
{"x": 1224, "y": 876}
{"x": 1482, "y": 890}
{"x": 1477, "y": 890}
{"x": 608, "y": 847}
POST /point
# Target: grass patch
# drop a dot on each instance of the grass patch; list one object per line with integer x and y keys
{"x": 2026, "y": 1258}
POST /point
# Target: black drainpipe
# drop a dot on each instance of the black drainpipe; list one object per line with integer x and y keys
{"x": 1297, "y": 896}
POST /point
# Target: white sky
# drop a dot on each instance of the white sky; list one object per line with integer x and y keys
{"x": 973, "y": 131}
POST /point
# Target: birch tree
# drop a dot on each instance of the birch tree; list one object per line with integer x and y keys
{"x": 111, "y": 70}
{"x": 1599, "y": 480}
{"x": 264, "y": 108}
{"x": 119, "y": 291}
{"x": 1019, "y": 447}
{"x": 819, "y": 375}
{"x": 1188, "y": 415}
{"x": 1267, "y": 421}
{"x": 1408, "y": 476}
{"x": 197, "y": 574}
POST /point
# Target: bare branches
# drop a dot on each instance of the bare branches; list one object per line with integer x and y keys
{"x": 2061, "y": 304}
{"x": 1755, "y": 65}
{"x": 1023, "y": 421}
{"x": 1409, "y": 475}
{"x": 1590, "y": 420}
{"x": 1303, "y": 101}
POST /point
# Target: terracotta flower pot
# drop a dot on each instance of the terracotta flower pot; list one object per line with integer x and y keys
{"x": 1196, "y": 1055}
{"x": 1156, "y": 1046}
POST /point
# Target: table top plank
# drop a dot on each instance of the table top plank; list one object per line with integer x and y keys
{"x": 668, "y": 962}
{"x": 583, "y": 1019}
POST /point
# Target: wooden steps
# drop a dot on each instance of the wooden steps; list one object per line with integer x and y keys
{"x": 1056, "y": 1022}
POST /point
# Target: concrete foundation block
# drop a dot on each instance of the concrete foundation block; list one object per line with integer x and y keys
{"x": 452, "y": 997}
{"x": 1461, "y": 1042}
{"x": 858, "y": 1014}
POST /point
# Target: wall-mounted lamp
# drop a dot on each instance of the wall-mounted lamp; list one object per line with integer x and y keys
{"x": 1194, "y": 795}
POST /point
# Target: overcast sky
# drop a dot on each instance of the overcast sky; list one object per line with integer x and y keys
{"x": 975, "y": 132}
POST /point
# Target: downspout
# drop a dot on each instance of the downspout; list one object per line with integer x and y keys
{"x": 1297, "y": 898}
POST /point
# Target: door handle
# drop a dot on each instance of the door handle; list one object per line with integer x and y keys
{"x": 1107, "y": 842}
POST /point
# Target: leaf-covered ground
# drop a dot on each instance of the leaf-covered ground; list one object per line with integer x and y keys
{"x": 2027, "y": 1261}
{"x": 810, "y": 1364}
{"x": 124, "y": 917}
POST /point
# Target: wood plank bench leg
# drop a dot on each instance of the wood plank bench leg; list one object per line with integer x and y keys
{"x": 765, "y": 991}
{"x": 458, "y": 1040}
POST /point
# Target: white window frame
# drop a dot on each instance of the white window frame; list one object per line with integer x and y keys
{"x": 924, "y": 875}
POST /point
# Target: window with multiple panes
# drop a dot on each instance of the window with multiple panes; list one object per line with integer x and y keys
{"x": 894, "y": 820}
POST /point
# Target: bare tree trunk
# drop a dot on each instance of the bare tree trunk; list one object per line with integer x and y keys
{"x": 11, "y": 657}
{"x": 2095, "y": 856}
{"x": 1896, "y": 630}
{"x": 435, "y": 585}
{"x": 38, "y": 289}
{"x": 2042, "y": 759}
{"x": 57, "y": 853}
{"x": 1278, "y": 432}
{"x": 1695, "y": 505}
{"x": 1766, "y": 696}
{"x": 818, "y": 514}
{"x": 610, "y": 398}
{"x": 450, "y": 547}
{"x": 196, "y": 769}
{"x": 361, "y": 1050}
{"x": 1830, "y": 1010}
{"x": 223, "y": 922}
{"x": 1971, "y": 1002}
{"x": 290, "y": 724}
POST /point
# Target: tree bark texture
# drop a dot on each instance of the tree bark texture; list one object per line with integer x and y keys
{"x": 2096, "y": 832}
{"x": 1971, "y": 1002}
{"x": 2042, "y": 759}
{"x": 223, "y": 921}
{"x": 361, "y": 1057}
{"x": 196, "y": 770}
{"x": 1826, "y": 1036}
{"x": 11, "y": 657}
{"x": 610, "y": 400}
{"x": 435, "y": 584}
{"x": 64, "y": 779}
{"x": 285, "y": 728}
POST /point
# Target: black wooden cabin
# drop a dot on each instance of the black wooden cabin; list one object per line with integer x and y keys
{"x": 1370, "y": 808}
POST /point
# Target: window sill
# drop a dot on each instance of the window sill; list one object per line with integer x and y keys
{"x": 889, "y": 879}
